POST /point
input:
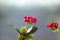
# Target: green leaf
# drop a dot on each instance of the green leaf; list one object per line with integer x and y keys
{"x": 23, "y": 30}
{"x": 29, "y": 37}
{"x": 33, "y": 29}
{"x": 15, "y": 28}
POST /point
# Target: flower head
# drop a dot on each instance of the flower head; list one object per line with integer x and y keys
{"x": 52, "y": 25}
{"x": 30, "y": 19}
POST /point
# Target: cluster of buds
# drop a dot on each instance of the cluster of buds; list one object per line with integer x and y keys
{"x": 30, "y": 19}
{"x": 53, "y": 26}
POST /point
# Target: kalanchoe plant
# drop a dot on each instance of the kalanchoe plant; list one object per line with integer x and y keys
{"x": 25, "y": 34}
{"x": 53, "y": 26}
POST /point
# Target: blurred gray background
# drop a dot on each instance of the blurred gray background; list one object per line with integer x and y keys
{"x": 13, "y": 14}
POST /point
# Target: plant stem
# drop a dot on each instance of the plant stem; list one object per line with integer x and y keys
{"x": 26, "y": 24}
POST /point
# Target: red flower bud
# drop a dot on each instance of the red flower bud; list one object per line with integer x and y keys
{"x": 34, "y": 20}
{"x": 48, "y": 25}
{"x": 52, "y": 25}
{"x": 30, "y": 19}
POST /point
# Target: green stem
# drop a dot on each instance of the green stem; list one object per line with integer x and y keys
{"x": 26, "y": 25}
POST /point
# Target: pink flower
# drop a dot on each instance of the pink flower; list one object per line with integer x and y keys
{"x": 52, "y": 25}
{"x": 30, "y": 19}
